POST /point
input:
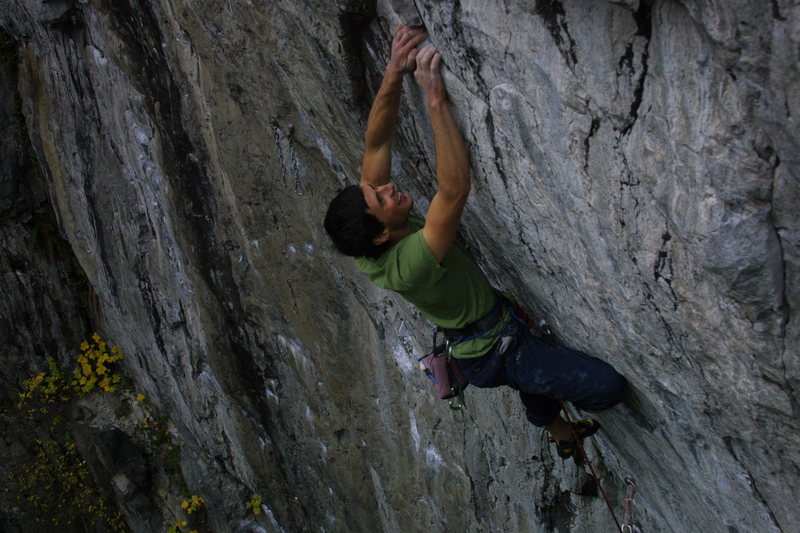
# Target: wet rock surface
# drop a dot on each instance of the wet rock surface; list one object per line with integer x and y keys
{"x": 635, "y": 183}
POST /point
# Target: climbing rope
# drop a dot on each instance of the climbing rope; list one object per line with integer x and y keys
{"x": 591, "y": 469}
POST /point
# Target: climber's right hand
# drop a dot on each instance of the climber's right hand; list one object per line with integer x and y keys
{"x": 428, "y": 76}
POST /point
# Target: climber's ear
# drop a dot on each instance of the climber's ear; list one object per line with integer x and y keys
{"x": 381, "y": 238}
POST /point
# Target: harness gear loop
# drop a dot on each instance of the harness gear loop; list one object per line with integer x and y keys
{"x": 591, "y": 466}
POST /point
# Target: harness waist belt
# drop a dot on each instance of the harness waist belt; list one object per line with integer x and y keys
{"x": 480, "y": 326}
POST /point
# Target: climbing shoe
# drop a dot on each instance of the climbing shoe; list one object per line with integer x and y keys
{"x": 569, "y": 448}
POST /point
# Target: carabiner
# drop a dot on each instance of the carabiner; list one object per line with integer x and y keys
{"x": 456, "y": 403}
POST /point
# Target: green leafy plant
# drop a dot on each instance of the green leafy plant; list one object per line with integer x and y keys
{"x": 179, "y": 525}
{"x": 254, "y": 504}
{"x": 94, "y": 367}
{"x": 49, "y": 387}
{"x": 55, "y": 489}
{"x": 94, "y": 370}
{"x": 192, "y": 505}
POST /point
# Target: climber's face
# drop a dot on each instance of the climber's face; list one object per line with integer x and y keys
{"x": 386, "y": 203}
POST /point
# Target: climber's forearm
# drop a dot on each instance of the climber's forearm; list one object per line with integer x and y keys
{"x": 452, "y": 159}
{"x": 381, "y": 127}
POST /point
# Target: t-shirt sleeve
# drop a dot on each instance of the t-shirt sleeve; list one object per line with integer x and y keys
{"x": 413, "y": 265}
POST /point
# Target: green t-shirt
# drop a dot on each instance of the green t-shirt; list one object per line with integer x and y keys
{"x": 451, "y": 294}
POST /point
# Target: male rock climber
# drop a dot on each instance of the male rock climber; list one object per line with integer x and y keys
{"x": 420, "y": 261}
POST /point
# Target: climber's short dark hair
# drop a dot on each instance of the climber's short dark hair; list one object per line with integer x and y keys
{"x": 350, "y": 227}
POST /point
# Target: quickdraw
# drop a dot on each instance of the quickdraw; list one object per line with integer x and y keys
{"x": 627, "y": 506}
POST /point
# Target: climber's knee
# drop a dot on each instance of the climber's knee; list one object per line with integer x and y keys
{"x": 609, "y": 392}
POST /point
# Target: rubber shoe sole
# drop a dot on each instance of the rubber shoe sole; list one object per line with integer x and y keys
{"x": 569, "y": 448}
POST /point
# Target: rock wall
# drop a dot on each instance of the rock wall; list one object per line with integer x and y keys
{"x": 635, "y": 182}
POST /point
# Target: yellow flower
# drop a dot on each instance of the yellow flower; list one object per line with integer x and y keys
{"x": 84, "y": 346}
{"x": 96, "y": 337}
{"x": 140, "y": 397}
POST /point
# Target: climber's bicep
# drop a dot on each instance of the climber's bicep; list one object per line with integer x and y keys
{"x": 442, "y": 220}
{"x": 376, "y": 165}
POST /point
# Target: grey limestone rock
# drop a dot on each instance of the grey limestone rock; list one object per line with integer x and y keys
{"x": 635, "y": 174}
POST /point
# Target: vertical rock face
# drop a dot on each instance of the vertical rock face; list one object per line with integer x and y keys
{"x": 635, "y": 182}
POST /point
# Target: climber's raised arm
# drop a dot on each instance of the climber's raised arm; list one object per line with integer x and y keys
{"x": 452, "y": 162}
{"x": 375, "y": 168}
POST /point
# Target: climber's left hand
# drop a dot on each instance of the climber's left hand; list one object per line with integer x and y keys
{"x": 404, "y": 48}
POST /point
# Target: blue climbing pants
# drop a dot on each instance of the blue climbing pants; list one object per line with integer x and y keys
{"x": 544, "y": 373}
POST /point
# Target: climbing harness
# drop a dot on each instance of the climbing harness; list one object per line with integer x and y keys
{"x": 479, "y": 327}
{"x": 447, "y": 377}
{"x": 626, "y": 528}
